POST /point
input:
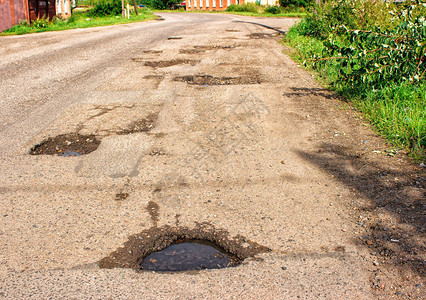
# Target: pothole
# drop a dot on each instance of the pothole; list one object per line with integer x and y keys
{"x": 157, "y": 152}
{"x": 232, "y": 30}
{"x": 181, "y": 249}
{"x": 174, "y": 38}
{"x": 153, "y": 51}
{"x": 261, "y": 35}
{"x": 206, "y": 80}
{"x": 191, "y": 51}
{"x": 185, "y": 255}
{"x": 72, "y": 144}
{"x": 141, "y": 125}
{"x": 214, "y": 47}
{"x": 169, "y": 63}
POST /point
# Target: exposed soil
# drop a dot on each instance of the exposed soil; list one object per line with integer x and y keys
{"x": 121, "y": 196}
{"x": 66, "y": 145}
{"x": 154, "y": 211}
{"x": 169, "y": 63}
{"x": 141, "y": 245}
{"x": 212, "y": 80}
{"x": 141, "y": 125}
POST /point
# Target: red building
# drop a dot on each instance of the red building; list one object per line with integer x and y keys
{"x": 211, "y": 4}
{"x": 14, "y": 11}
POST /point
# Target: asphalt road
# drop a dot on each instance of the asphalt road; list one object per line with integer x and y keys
{"x": 247, "y": 151}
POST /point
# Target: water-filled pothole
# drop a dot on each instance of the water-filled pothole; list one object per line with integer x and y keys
{"x": 212, "y": 80}
{"x": 169, "y": 63}
{"x": 72, "y": 144}
{"x": 185, "y": 255}
{"x": 180, "y": 249}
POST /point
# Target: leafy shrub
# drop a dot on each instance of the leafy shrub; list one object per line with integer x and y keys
{"x": 273, "y": 10}
{"x": 377, "y": 57}
{"x": 378, "y": 63}
{"x": 246, "y": 7}
{"x": 40, "y": 23}
{"x": 296, "y": 3}
{"x": 106, "y": 8}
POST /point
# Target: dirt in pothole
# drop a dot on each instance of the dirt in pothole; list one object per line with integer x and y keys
{"x": 173, "y": 62}
{"x": 216, "y": 47}
{"x": 121, "y": 196}
{"x": 72, "y": 144}
{"x": 191, "y": 51}
{"x": 157, "y": 152}
{"x": 261, "y": 35}
{"x": 141, "y": 125}
{"x": 140, "y": 246}
{"x": 153, "y": 51}
{"x": 212, "y": 80}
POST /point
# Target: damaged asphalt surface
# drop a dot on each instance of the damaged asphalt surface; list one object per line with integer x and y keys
{"x": 204, "y": 128}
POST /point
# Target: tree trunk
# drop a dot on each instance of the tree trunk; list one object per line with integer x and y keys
{"x": 136, "y": 8}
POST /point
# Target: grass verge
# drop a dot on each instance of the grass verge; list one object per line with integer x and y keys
{"x": 397, "y": 111}
{"x": 77, "y": 20}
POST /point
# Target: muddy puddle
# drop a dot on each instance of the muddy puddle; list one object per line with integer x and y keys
{"x": 169, "y": 63}
{"x": 181, "y": 249}
{"x": 185, "y": 255}
{"x": 72, "y": 144}
{"x": 207, "y": 80}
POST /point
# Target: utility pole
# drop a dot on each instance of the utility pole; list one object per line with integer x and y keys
{"x": 123, "y": 12}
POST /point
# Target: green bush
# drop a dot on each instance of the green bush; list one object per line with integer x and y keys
{"x": 296, "y": 3}
{"x": 273, "y": 10}
{"x": 106, "y": 8}
{"x": 40, "y": 23}
{"x": 246, "y": 7}
{"x": 377, "y": 63}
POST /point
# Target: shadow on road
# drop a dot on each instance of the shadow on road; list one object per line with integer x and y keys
{"x": 389, "y": 191}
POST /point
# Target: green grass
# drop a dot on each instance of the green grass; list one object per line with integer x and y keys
{"x": 397, "y": 112}
{"x": 79, "y": 20}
